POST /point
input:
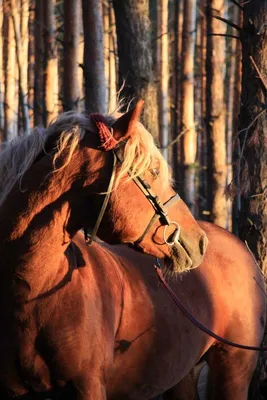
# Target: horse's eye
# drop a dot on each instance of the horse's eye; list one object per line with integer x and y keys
{"x": 154, "y": 172}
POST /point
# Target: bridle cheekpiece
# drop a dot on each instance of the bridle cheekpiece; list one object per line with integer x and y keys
{"x": 109, "y": 143}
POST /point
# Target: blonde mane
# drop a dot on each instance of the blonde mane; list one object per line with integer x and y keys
{"x": 140, "y": 153}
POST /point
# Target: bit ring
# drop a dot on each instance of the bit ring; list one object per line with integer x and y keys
{"x": 175, "y": 234}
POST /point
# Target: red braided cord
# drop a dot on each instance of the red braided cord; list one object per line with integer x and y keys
{"x": 107, "y": 141}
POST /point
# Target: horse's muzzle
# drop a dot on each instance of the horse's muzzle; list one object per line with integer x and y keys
{"x": 184, "y": 256}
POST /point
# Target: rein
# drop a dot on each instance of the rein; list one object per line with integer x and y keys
{"x": 195, "y": 321}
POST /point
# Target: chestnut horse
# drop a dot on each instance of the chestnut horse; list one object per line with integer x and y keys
{"x": 109, "y": 329}
{"x": 61, "y": 304}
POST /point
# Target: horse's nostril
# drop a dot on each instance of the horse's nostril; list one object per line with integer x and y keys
{"x": 203, "y": 243}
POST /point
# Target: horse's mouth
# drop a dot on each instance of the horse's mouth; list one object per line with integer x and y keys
{"x": 179, "y": 259}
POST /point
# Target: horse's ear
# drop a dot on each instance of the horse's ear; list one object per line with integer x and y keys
{"x": 125, "y": 125}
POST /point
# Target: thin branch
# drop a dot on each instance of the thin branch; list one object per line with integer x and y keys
{"x": 237, "y": 4}
{"x": 228, "y": 22}
{"x": 160, "y": 36}
{"x": 259, "y": 73}
{"x": 224, "y": 35}
{"x": 264, "y": 25}
{"x": 178, "y": 137}
{"x": 246, "y": 132}
{"x": 237, "y": 171}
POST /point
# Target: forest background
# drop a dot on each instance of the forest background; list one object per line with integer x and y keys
{"x": 199, "y": 65}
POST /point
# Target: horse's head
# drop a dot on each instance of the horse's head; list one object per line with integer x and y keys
{"x": 142, "y": 209}
{"x": 67, "y": 165}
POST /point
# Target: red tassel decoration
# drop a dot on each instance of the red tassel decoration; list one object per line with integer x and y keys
{"x": 108, "y": 142}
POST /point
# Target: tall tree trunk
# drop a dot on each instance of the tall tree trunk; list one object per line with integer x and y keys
{"x": 39, "y": 64}
{"x": 253, "y": 134}
{"x": 11, "y": 92}
{"x": 232, "y": 104}
{"x": 135, "y": 57}
{"x": 236, "y": 142}
{"x": 81, "y": 102}
{"x": 216, "y": 113}
{"x": 253, "y": 138}
{"x": 163, "y": 59}
{"x": 189, "y": 139}
{"x": 94, "y": 68}
{"x": 24, "y": 30}
{"x": 202, "y": 139}
{"x": 21, "y": 53}
{"x": 176, "y": 147}
{"x": 31, "y": 61}
{"x": 71, "y": 40}
{"x": 112, "y": 61}
{"x": 2, "y": 89}
{"x": 106, "y": 26}
{"x": 50, "y": 62}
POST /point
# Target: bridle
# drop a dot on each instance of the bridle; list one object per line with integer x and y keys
{"x": 159, "y": 207}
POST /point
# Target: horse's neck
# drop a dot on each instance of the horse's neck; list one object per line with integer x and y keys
{"x": 37, "y": 223}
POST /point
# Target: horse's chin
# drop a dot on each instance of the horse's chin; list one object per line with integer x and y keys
{"x": 179, "y": 260}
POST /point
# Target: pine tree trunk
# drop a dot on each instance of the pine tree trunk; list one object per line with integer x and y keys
{"x": 39, "y": 64}
{"x": 253, "y": 134}
{"x": 31, "y": 62}
{"x": 216, "y": 114}
{"x": 50, "y": 62}
{"x": 135, "y": 57}
{"x": 81, "y": 102}
{"x": 189, "y": 139}
{"x": 71, "y": 40}
{"x": 2, "y": 89}
{"x": 21, "y": 52}
{"x": 176, "y": 147}
{"x": 202, "y": 140}
{"x": 236, "y": 142}
{"x": 10, "y": 67}
{"x": 94, "y": 68}
{"x": 24, "y": 31}
{"x": 163, "y": 59}
{"x": 112, "y": 62}
{"x": 232, "y": 108}
{"x": 106, "y": 50}
{"x": 253, "y": 140}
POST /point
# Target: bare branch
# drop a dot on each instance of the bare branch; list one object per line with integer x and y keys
{"x": 246, "y": 132}
{"x": 237, "y": 171}
{"x": 160, "y": 36}
{"x": 224, "y": 35}
{"x": 179, "y": 136}
{"x": 237, "y": 4}
{"x": 228, "y": 22}
{"x": 259, "y": 73}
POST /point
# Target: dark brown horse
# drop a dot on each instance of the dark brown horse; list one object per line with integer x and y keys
{"x": 61, "y": 305}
